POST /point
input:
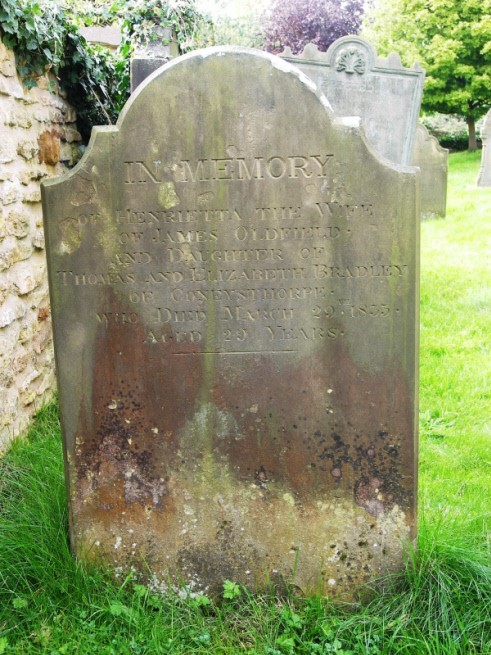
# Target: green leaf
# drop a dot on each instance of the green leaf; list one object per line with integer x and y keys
{"x": 231, "y": 590}
{"x": 140, "y": 590}
{"x": 117, "y": 608}
{"x": 202, "y": 601}
{"x": 20, "y": 603}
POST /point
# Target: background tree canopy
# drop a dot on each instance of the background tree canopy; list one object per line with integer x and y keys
{"x": 295, "y": 23}
{"x": 450, "y": 38}
{"x": 452, "y": 41}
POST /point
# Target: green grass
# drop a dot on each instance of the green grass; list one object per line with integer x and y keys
{"x": 441, "y": 603}
{"x": 455, "y": 390}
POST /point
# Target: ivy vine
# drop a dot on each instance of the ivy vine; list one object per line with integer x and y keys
{"x": 45, "y": 38}
{"x": 181, "y": 18}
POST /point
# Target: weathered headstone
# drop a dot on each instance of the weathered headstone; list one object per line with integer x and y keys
{"x": 385, "y": 94}
{"x": 234, "y": 294}
{"x": 432, "y": 159}
{"x": 484, "y": 177}
{"x": 160, "y": 49}
{"x": 107, "y": 36}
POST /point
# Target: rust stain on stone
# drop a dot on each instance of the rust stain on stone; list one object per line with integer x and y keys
{"x": 294, "y": 436}
{"x": 49, "y": 147}
{"x": 137, "y": 471}
{"x": 43, "y": 313}
{"x": 124, "y": 460}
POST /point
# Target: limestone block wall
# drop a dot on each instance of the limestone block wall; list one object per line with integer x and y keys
{"x": 38, "y": 139}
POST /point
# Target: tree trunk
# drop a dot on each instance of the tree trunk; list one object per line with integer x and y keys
{"x": 471, "y": 124}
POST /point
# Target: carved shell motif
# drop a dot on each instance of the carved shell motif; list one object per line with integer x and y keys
{"x": 351, "y": 60}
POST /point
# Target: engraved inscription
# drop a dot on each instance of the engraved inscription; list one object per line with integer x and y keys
{"x": 275, "y": 268}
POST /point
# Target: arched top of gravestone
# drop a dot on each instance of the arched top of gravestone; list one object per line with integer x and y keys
{"x": 237, "y": 52}
{"x": 486, "y": 126}
{"x": 484, "y": 177}
{"x": 165, "y": 95}
{"x": 425, "y": 140}
{"x": 352, "y": 55}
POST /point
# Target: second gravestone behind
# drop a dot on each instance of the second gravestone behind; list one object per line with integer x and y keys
{"x": 385, "y": 94}
{"x": 234, "y": 293}
{"x": 484, "y": 177}
{"x": 432, "y": 160}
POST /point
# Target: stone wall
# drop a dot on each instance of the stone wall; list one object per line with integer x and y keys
{"x": 39, "y": 139}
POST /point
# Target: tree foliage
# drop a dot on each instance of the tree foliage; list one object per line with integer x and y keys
{"x": 235, "y": 24}
{"x": 138, "y": 19}
{"x": 45, "y": 39}
{"x": 452, "y": 41}
{"x": 44, "y": 34}
{"x": 295, "y": 23}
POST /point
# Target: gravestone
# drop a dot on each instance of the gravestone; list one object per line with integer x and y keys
{"x": 484, "y": 177}
{"x": 148, "y": 57}
{"x": 107, "y": 36}
{"x": 385, "y": 94}
{"x": 432, "y": 159}
{"x": 234, "y": 293}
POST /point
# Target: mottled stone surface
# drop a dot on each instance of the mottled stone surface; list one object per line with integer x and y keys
{"x": 107, "y": 36}
{"x": 33, "y": 127}
{"x": 484, "y": 177}
{"x": 234, "y": 294}
{"x": 432, "y": 159}
{"x": 385, "y": 94}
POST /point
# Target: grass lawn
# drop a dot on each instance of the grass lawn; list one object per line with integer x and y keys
{"x": 441, "y": 603}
